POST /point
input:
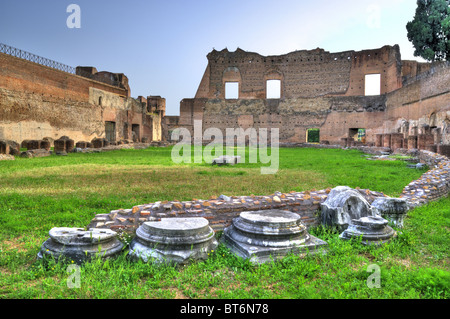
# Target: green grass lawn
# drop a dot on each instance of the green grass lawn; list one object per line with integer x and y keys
{"x": 41, "y": 193}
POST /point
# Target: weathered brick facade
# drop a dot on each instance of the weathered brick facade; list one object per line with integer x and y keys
{"x": 37, "y": 101}
{"x": 324, "y": 90}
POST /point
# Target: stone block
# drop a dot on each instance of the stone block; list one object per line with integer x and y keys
{"x": 392, "y": 209}
{"x": 223, "y": 160}
{"x": 173, "y": 240}
{"x": 35, "y": 153}
{"x": 99, "y": 142}
{"x": 444, "y": 149}
{"x": 372, "y": 230}
{"x": 81, "y": 144}
{"x": 4, "y": 147}
{"x": 63, "y": 145}
{"x": 80, "y": 245}
{"x": 45, "y": 144}
{"x": 343, "y": 205}
{"x": 261, "y": 236}
{"x": 50, "y": 140}
{"x": 24, "y": 143}
{"x": 14, "y": 147}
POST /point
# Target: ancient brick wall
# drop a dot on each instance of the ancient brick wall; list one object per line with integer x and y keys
{"x": 318, "y": 90}
{"x": 293, "y": 117}
{"x": 302, "y": 73}
{"x": 21, "y": 75}
{"x": 385, "y": 61}
{"x": 421, "y": 107}
{"x": 38, "y": 101}
{"x": 311, "y": 96}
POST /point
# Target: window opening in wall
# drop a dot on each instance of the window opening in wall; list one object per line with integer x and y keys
{"x": 313, "y": 135}
{"x": 273, "y": 89}
{"x": 372, "y": 84}
{"x": 100, "y": 100}
{"x": 231, "y": 90}
{"x": 357, "y": 134}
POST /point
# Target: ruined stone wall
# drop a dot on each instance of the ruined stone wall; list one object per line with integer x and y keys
{"x": 323, "y": 90}
{"x": 21, "y": 75}
{"x": 421, "y": 105}
{"x": 37, "y": 101}
{"x": 26, "y": 115}
{"x": 302, "y": 73}
{"x": 318, "y": 90}
{"x": 385, "y": 61}
{"x": 411, "y": 69}
{"x": 293, "y": 117}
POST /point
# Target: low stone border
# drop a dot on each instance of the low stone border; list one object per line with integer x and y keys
{"x": 5, "y": 157}
{"x": 432, "y": 185}
{"x": 220, "y": 212}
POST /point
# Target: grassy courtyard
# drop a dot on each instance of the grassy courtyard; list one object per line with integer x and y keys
{"x": 39, "y": 194}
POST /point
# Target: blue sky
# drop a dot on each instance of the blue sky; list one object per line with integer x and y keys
{"x": 162, "y": 45}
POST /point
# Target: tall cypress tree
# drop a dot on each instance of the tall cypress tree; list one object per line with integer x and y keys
{"x": 429, "y": 31}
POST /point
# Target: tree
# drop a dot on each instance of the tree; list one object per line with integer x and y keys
{"x": 429, "y": 31}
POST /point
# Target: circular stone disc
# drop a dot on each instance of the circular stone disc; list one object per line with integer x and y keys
{"x": 176, "y": 227}
{"x": 371, "y": 221}
{"x": 79, "y": 236}
{"x": 271, "y": 217}
{"x": 274, "y": 221}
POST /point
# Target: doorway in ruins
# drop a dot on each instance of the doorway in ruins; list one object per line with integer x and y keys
{"x": 313, "y": 135}
{"x": 135, "y": 132}
{"x": 110, "y": 131}
{"x": 357, "y": 134}
{"x": 125, "y": 131}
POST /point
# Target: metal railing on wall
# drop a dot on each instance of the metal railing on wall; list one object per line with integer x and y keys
{"x": 18, "y": 53}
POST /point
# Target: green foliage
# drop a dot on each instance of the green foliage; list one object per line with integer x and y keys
{"x": 429, "y": 31}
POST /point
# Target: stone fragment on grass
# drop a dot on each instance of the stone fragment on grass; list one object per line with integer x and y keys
{"x": 261, "y": 236}
{"x": 79, "y": 245}
{"x": 226, "y": 159}
{"x": 392, "y": 209}
{"x": 343, "y": 205}
{"x": 372, "y": 230}
{"x": 173, "y": 240}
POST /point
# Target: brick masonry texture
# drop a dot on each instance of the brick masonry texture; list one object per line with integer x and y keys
{"x": 219, "y": 212}
{"x": 38, "y": 101}
{"x": 323, "y": 90}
